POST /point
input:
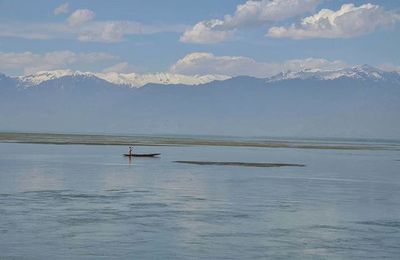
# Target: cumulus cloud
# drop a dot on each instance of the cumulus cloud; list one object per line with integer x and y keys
{"x": 62, "y": 9}
{"x": 29, "y": 62}
{"x": 80, "y": 17}
{"x": 348, "y": 21}
{"x": 205, "y": 32}
{"x": 258, "y": 12}
{"x": 201, "y": 63}
{"x": 251, "y": 13}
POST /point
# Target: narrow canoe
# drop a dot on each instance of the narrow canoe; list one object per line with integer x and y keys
{"x": 142, "y": 155}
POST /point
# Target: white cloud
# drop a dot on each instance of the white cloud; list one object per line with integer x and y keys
{"x": 104, "y": 32}
{"x": 201, "y": 63}
{"x": 258, "y": 12}
{"x": 389, "y": 67}
{"x": 62, "y": 9}
{"x": 30, "y": 62}
{"x": 348, "y": 21}
{"x": 23, "y": 31}
{"x": 251, "y": 13}
{"x": 101, "y": 31}
{"x": 115, "y": 31}
{"x": 122, "y": 67}
{"x": 204, "y": 32}
{"x": 80, "y": 17}
{"x": 80, "y": 25}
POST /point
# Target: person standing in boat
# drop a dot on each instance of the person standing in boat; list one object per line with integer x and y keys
{"x": 130, "y": 150}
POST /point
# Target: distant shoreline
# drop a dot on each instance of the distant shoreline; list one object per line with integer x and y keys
{"x": 147, "y": 140}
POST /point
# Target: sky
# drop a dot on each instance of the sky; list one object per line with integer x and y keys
{"x": 229, "y": 37}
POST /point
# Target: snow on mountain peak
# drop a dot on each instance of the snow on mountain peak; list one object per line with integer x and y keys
{"x": 139, "y": 80}
{"x": 134, "y": 80}
{"x": 131, "y": 79}
{"x": 42, "y": 76}
{"x": 360, "y": 72}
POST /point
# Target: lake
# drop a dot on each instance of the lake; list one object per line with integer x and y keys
{"x": 89, "y": 202}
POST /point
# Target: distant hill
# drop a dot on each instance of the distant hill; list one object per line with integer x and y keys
{"x": 356, "y": 102}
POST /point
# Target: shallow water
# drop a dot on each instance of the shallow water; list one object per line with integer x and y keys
{"x": 83, "y": 202}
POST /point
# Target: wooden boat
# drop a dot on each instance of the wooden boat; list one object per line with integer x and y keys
{"x": 142, "y": 154}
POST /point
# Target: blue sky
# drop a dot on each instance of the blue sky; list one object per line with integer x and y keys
{"x": 152, "y": 36}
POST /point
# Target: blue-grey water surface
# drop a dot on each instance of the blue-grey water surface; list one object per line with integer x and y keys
{"x": 89, "y": 202}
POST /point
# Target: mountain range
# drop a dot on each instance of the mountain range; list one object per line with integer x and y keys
{"x": 363, "y": 72}
{"x": 361, "y": 101}
{"x": 129, "y": 80}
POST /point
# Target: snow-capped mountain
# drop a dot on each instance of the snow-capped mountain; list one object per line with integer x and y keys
{"x": 362, "y": 72}
{"x": 131, "y": 79}
{"x": 134, "y": 80}
{"x": 355, "y": 102}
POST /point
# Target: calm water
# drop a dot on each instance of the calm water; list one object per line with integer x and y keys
{"x": 84, "y": 202}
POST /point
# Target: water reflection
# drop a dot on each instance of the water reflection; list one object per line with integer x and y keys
{"x": 37, "y": 179}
